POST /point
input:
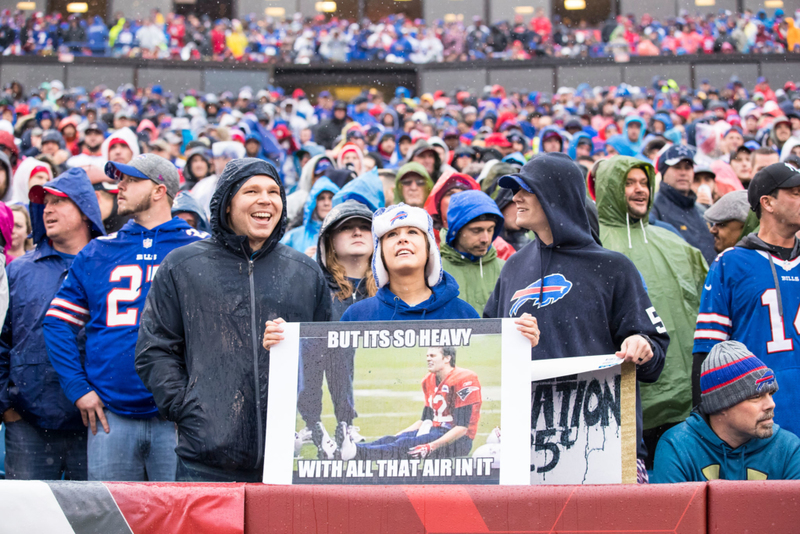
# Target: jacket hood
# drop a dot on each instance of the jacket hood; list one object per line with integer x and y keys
{"x": 546, "y": 131}
{"x": 608, "y": 186}
{"x": 320, "y": 186}
{"x": 576, "y": 139}
{"x": 307, "y": 173}
{"x": 184, "y": 202}
{"x": 236, "y": 172}
{"x": 367, "y": 189}
{"x": 412, "y": 167}
{"x": 125, "y": 134}
{"x": 558, "y": 184}
{"x": 443, "y": 293}
{"x": 466, "y": 206}
{"x": 22, "y": 176}
{"x": 76, "y": 185}
{"x": 433, "y": 202}
{"x": 790, "y": 143}
{"x": 621, "y": 145}
{"x": 200, "y": 152}
{"x": 346, "y": 210}
{"x": 664, "y": 119}
{"x": 640, "y": 122}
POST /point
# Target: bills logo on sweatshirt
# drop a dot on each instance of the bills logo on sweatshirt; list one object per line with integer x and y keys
{"x": 555, "y": 288}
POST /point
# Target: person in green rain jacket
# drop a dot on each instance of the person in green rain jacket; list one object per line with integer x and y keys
{"x": 466, "y": 246}
{"x": 673, "y": 272}
{"x": 412, "y": 185}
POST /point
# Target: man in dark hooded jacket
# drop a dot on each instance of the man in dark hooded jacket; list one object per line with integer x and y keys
{"x": 593, "y": 300}
{"x": 329, "y": 130}
{"x": 45, "y": 437}
{"x": 199, "y": 350}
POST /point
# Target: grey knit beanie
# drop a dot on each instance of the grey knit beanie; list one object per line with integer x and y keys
{"x": 732, "y": 374}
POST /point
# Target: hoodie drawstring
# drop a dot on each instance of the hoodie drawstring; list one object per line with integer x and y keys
{"x": 480, "y": 261}
{"x": 396, "y": 305}
{"x": 628, "y": 226}
{"x": 644, "y": 232}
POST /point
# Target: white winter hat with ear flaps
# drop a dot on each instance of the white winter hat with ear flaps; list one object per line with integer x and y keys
{"x": 397, "y": 216}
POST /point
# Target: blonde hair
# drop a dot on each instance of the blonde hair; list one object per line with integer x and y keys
{"x": 24, "y": 211}
{"x": 339, "y": 274}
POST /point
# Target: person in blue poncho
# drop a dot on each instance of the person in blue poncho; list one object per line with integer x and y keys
{"x": 629, "y": 142}
{"x": 304, "y": 238}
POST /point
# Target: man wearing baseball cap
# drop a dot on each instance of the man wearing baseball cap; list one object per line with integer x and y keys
{"x": 105, "y": 292}
{"x": 752, "y": 291}
{"x": 676, "y": 203}
{"x": 45, "y": 438}
{"x": 732, "y": 436}
{"x": 730, "y": 219}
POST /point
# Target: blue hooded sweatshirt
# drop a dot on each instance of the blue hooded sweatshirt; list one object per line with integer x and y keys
{"x": 184, "y": 202}
{"x": 692, "y": 452}
{"x": 546, "y": 132}
{"x": 307, "y": 235}
{"x": 576, "y": 139}
{"x": 367, "y": 189}
{"x": 385, "y": 306}
{"x": 632, "y": 148}
{"x": 28, "y": 382}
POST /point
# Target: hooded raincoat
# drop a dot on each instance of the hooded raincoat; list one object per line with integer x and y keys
{"x": 412, "y": 167}
{"x": 28, "y": 382}
{"x": 199, "y": 348}
{"x": 476, "y": 276}
{"x": 674, "y": 273}
{"x": 305, "y": 236}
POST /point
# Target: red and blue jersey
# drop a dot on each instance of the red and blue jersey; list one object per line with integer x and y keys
{"x": 458, "y": 389}
{"x": 104, "y": 293}
{"x": 740, "y": 302}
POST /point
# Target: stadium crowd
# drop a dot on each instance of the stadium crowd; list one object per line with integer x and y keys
{"x": 395, "y": 39}
{"x": 153, "y": 240}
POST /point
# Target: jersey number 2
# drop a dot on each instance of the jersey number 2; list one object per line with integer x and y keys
{"x": 121, "y": 294}
{"x": 779, "y": 342}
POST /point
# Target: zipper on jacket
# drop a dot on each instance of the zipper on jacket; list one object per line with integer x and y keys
{"x": 254, "y": 334}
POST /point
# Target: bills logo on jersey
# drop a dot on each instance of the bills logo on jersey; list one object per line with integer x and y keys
{"x": 147, "y": 242}
{"x": 464, "y": 392}
{"x": 765, "y": 380}
{"x": 555, "y": 288}
{"x": 399, "y": 217}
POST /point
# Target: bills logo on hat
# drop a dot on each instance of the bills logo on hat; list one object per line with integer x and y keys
{"x": 555, "y": 288}
{"x": 765, "y": 380}
{"x": 399, "y": 217}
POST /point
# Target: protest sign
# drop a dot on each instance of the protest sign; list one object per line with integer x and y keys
{"x": 423, "y": 420}
{"x": 583, "y": 421}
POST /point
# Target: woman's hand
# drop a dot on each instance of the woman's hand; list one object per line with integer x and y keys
{"x": 529, "y": 328}
{"x": 272, "y": 333}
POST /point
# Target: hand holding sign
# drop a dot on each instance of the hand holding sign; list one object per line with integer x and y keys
{"x": 529, "y": 327}
{"x": 635, "y": 349}
{"x": 272, "y": 333}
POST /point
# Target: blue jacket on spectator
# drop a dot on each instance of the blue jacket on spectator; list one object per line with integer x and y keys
{"x": 28, "y": 382}
{"x": 97, "y": 34}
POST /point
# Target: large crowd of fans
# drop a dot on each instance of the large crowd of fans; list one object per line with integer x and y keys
{"x": 395, "y": 39}
{"x": 696, "y": 191}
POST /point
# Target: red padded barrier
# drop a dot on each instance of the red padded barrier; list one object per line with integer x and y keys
{"x": 753, "y": 507}
{"x": 673, "y": 508}
{"x": 157, "y": 508}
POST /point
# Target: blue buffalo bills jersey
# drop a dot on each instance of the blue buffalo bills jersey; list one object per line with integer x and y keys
{"x": 104, "y": 292}
{"x": 740, "y": 302}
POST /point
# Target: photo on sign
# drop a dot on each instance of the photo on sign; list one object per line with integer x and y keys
{"x": 395, "y": 403}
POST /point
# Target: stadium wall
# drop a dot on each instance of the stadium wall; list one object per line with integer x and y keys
{"x": 544, "y": 74}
